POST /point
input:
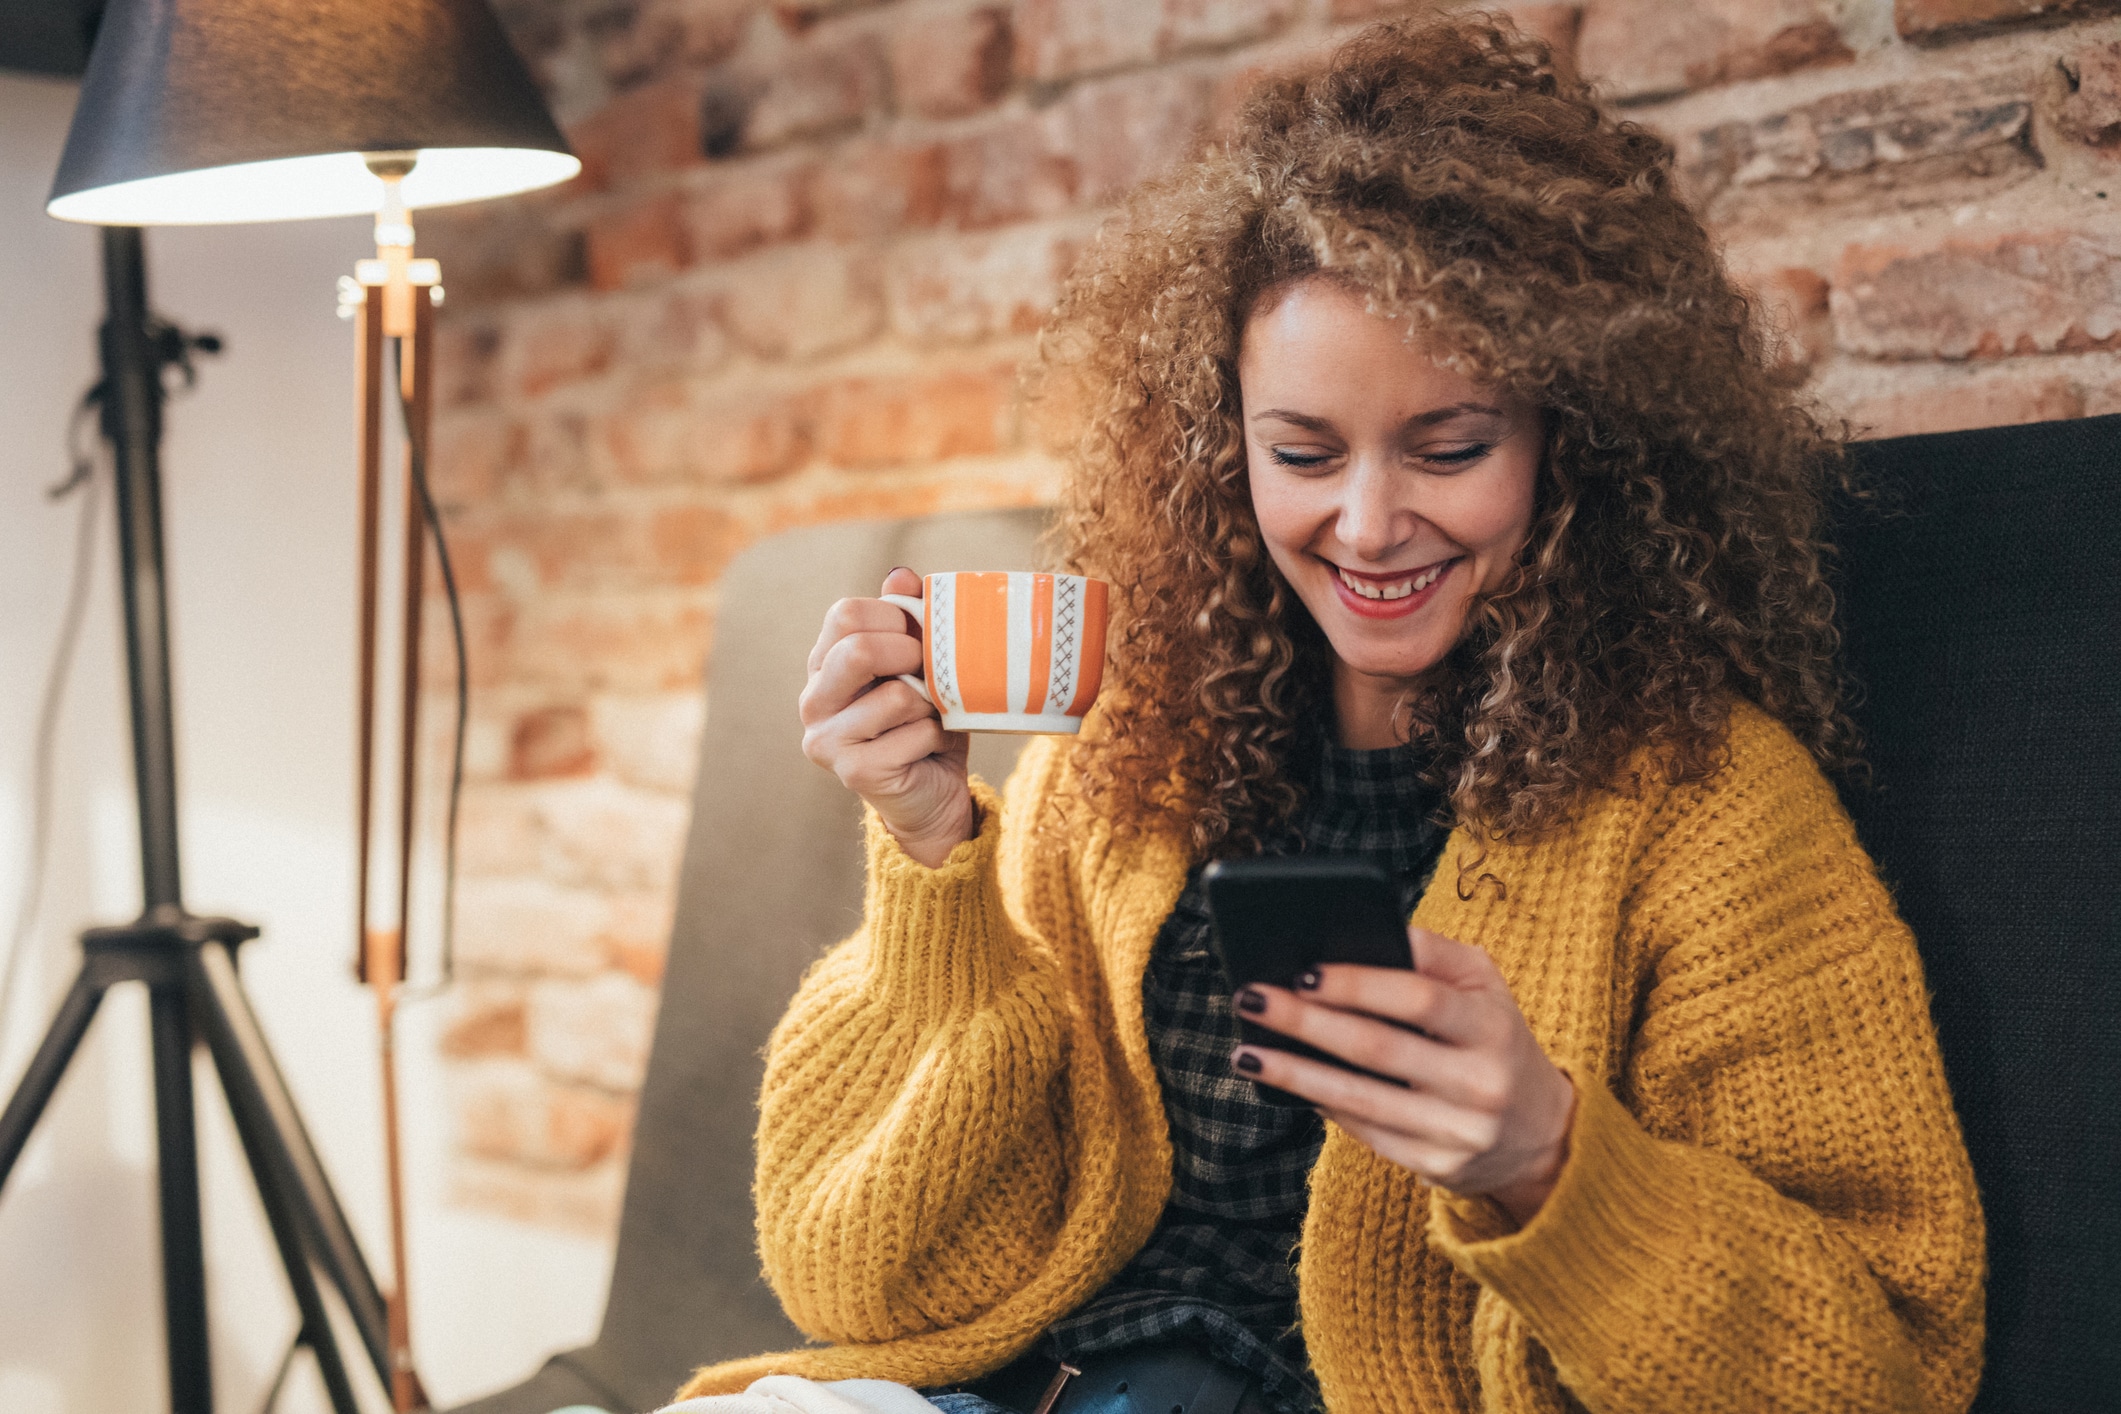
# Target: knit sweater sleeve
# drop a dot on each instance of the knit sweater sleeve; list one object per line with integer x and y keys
{"x": 1777, "y": 1210}
{"x": 910, "y": 1152}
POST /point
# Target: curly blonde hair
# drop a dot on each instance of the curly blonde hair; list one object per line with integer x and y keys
{"x": 1442, "y": 168}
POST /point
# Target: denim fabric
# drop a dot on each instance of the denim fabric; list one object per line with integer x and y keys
{"x": 967, "y": 1404}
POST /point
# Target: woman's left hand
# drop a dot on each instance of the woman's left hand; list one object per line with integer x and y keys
{"x": 1485, "y": 1111}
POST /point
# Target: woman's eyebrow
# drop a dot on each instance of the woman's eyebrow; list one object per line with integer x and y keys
{"x": 1419, "y": 420}
{"x": 1300, "y": 419}
{"x": 1446, "y": 414}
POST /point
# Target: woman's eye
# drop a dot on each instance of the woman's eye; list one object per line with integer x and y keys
{"x": 1460, "y": 455}
{"x": 1289, "y": 457}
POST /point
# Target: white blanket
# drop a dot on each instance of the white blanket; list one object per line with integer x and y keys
{"x": 791, "y": 1394}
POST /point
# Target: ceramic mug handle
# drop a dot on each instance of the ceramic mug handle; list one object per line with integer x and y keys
{"x": 919, "y": 609}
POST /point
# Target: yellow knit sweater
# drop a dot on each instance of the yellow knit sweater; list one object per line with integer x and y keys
{"x": 1766, "y": 1203}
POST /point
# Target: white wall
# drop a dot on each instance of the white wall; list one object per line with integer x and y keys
{"x": 260, "y": 526}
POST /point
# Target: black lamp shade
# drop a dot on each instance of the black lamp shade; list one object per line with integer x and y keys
{"x": 199, "y": 111}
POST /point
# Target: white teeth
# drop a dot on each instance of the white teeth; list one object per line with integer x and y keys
{"x": 1399, "y": 590}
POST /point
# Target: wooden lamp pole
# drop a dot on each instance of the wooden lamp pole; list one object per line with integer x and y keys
{"x": 395, "y": 304}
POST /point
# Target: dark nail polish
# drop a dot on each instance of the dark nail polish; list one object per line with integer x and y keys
{"x": 1251, "y": 1000}
{"x": 1246, "y": 1062}
{"x": 1309, "y": 981}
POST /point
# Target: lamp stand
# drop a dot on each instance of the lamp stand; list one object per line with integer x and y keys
{"x": 392, "y": 300}
{"x": 189, "y": 962}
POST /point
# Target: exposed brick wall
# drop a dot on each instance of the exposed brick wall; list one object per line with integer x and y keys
{"x": 813, "y": 240}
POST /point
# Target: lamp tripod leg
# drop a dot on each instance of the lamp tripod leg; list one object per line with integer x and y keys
{"x": 191, "y": 1389}
{"x": 259, "y": 1097}
{"x": 273, "y": 1185}
{"x": 47, "y": 1067}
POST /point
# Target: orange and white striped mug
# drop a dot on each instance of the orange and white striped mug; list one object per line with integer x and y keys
{"x": 1009, "y": 652}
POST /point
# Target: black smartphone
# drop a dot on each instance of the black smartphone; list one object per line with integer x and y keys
{"x": 1276, "y": 917}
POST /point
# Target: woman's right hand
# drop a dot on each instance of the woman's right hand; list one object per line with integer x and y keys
{"x": 880, "y": 737}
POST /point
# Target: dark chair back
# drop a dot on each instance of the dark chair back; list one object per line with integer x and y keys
{"x": 1983, "y": 621}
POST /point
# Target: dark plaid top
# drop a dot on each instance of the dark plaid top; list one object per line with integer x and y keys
{"x": 1220, "y": 1267}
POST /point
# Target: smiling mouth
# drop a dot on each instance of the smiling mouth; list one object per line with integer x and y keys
{"x": 1389, "y": 587}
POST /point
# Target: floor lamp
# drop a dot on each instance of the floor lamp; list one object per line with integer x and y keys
{"x": 214, "y": 111}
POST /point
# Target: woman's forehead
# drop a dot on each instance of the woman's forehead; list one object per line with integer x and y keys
{"x": 1319, "y": 341}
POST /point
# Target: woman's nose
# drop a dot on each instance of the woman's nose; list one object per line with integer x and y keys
{"x": 1372, "y": 524}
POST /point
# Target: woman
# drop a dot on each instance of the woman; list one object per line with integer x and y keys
{"x": 1459, "y": 518}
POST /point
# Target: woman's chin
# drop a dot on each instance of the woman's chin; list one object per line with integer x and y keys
{"x": 1362, "y": 656}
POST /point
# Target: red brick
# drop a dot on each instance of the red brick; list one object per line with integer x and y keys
{"x": 524, "y": 925}
{"x": 506, "y": 1110}
{"x": 641, "y": 642}
{"x": 869, "y": 423}
{"x": 874, "y": 189}
{"x": 949, "y": 63}
{"x": 802, "y": 301}
{"x": 641, "y": 962}
{"x": 494, "y": 837}
{"x": 1125, "y": 130}
{"x": 2102, "y": 391}
{"x": 1986, "y": 401}
{"x": 653, "y": 128}
{"x": 595, "y": 1032}
{"x": 603, "y": 550}
{"x": 798, "y": 15}
{"x": 651, "y": 740}
{"x": 1015, "y": 169}
{"x": 551, "y": 741}
{"x": 664, "y": 34}
{"x": 1794, "y": 301}
{"x": 1057, "y": 39}
{"x": 488, "y": 1022}
{"x": 752, "y": 439}
{"x": 570, "y": 550}
{"x": 1977, "y": 126}
{"x": 638, "y": 938}
{"x": 642, "y": 240}
{"x": 2028, "y": 292}
{"x": 467, "y": 359}
{"x": 746, "y": 206}
{"x": 489, "y": 628}
{"x": 1557, "y": 26}
{"x": 821, "y": 87}
{"x": 497, "y": 250}
{"x": 540, "y": 37}
{"x": 556, "y": 452}
{"x": 1234, "y": 85}
{"x": 2092, "y": 110}
{"x": 474, "y": 453}
{"x": 585, "y": 1202}
{"x": 603, "y": 837}
{"x": 670, "y": 329}
{"x": 471, "y": 557}
{"x": 1205, "y": 24}
{"x": 558, "y": 345}
{"x": 669, "y": 433}
{"x": 1942, "y": 19}
{"x": 692, "y": 545}
{"x": 961, "y": 288}
{"x": 1647, "y": 48}
{"x": 886, "y": 498}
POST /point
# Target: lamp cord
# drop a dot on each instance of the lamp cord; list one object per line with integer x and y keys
{"x": 82, "y": 479}
{"x": 416, "y": 445}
